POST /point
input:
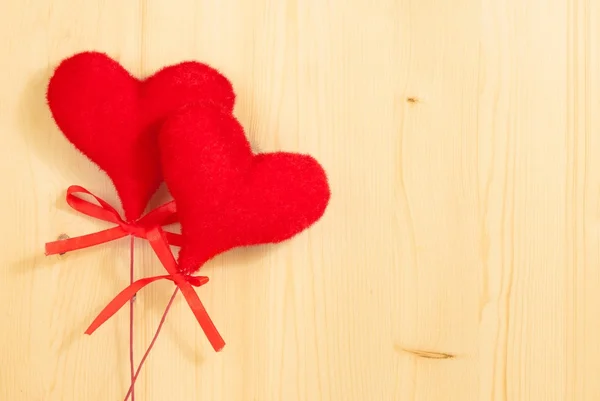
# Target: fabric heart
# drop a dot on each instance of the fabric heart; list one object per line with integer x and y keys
{"x": 227, "y": 196}
{"x": 113, "y": 118}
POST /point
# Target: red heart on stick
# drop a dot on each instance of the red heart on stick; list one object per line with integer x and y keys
{"x": 113, "y": 118}
{"x": 227, "y": 196}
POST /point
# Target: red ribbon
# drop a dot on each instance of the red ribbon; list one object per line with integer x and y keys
{"x": 185, "y": 282}
{"x": 163, "y": 215}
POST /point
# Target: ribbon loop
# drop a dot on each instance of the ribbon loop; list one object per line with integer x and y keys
{"x": 102, "y": 210}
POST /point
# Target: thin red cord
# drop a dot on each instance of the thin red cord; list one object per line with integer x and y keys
{"x": 160, "y": 325}
{"x": 131, "y": 276}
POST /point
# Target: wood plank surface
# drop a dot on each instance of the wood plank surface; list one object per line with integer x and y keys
{"x": 458, "y": 260}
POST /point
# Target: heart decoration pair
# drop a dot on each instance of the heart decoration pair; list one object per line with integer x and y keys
{"x": 178, "y": 126}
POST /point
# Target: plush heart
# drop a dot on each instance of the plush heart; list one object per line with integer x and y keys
{"x": 227, "y": 196}
{"x": 113, "y": 118}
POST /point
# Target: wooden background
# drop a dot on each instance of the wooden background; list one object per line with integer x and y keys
{"x": 459, "y": 257}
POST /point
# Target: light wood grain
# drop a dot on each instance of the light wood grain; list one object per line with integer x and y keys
{"x": 459, "y": 257}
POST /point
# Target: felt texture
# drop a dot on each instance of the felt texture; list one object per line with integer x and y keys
{"x": 114, "y": 118}
{"x": 226, "y": 195}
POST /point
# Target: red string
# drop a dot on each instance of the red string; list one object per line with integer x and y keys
{"x": 131, "y": 276}
{"x": 159, "y": 328}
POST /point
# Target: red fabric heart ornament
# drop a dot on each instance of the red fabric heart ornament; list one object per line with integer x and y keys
{"x": 227, "y": 196}
{"x": 113, "y": 118}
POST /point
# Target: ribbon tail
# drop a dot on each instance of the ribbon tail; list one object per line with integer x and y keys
{"x": 84, "y": 241}
{"x": 202, "y": 316}
{"x": 159, "y": 243}
{"x": 121, "y": 299}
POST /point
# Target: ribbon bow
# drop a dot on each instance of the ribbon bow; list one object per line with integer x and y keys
{"x": 184, "y": 282}
{"x": 162, "y": 215}
{"x": 150, "y": 228}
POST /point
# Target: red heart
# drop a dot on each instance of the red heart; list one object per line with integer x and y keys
{"x": 227, "y": 196}
{"x": 113, "y": 118}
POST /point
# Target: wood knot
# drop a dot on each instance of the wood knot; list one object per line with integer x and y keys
{"x": 425, "y": 354}
{"x": 412, "y": 100}
{"x": 62, "y": 237}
